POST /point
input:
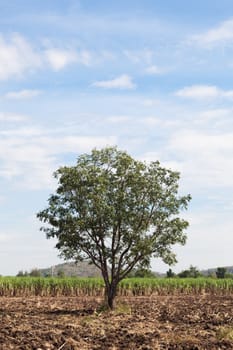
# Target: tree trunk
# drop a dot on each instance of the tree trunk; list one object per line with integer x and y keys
{"x": 110, "y": 294}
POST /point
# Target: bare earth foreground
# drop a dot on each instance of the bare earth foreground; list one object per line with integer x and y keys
{"x": 159, "y": 322}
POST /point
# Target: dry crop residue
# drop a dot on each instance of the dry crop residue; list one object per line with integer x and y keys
{"x": 141, "y": 323}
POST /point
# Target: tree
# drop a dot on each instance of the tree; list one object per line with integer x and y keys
{"x": 35, "y": 273}
{"x": 144, "y": 273}
{"x": 61, "y": 273}
{"x": 221, "y": 272}
{"x": 170, "y": 274}
{"x": 22, "y": 273}
{"x": 117, "y": 212}
{"x": 191, "y": 272}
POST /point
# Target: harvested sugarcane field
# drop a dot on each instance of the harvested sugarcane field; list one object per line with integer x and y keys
{"x": 149, "y": 314}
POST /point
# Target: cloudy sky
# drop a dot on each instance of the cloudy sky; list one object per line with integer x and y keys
{"x": 153, "y": 77}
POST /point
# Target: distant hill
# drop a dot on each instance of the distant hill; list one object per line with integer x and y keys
{"x": 84, "y": 269}
{"x": 72, "y": 269}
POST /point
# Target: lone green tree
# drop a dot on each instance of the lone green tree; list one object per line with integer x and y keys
{"x": 116, "y": 212}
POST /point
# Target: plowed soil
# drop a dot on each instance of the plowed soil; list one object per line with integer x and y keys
{"x": 139, "y": 323}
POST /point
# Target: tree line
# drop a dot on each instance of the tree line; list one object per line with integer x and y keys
{"x": 191, "y": 272}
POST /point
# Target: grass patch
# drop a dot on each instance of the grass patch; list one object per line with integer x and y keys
{"x": 225, "y": 333}
{"x": 87, "y": 320}
{"x": 120, "y": 308}
{"x": 123, "y": 308}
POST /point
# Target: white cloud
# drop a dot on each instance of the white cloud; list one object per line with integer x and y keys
{"x": 153, "y": 70}
{"x": 150, "y": 156}
{"x": 6, "y": 237}
{"x": 203, "y": 142}
{"x": 221, "y": 34}
{"x": 149, "y": 102}
{"x": 122, "y": 82}
{"x": 58, "y": 58}
{"x": 85, "y": 58}
{"x": 22, "y": 94}
{"x": 75, "y": 144}
{"x": 17, "y": 57}
{"x": 2, "y": 199}
{"x": 205, "y": 159}
{"x": 141, "y": 56}
{"x": 206, "y": 225}
{"x": 11, "y": 117}
{"x": 25, "y": 131}
{"x": 29, "y": 155}
{"x": 151, "y": 121}
{"x": 203, "y": 92}
{"x": 118, "y": 119}
{"x": 215, "y": 114}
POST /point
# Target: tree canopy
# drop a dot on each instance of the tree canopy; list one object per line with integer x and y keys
{"x": 221, "y": 272}
{"x": 192, "y": 272}
{"x": 117, "y": 212}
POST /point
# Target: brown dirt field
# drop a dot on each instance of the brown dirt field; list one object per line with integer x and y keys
{"x": 139, "y": 323}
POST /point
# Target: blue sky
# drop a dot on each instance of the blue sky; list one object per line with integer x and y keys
{"x": 153, "y": 77}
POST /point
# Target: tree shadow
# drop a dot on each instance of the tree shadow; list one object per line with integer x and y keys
{"x": 82, "y": 312}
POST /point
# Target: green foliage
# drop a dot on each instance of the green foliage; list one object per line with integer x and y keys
{"x": 35, "y": 273}
{"x": 143, "y": 273}
{"x": 221, "y": 272}
{"x": 191, "y": 272}
{"x": 60, "y": 273}
{"x": 22, "y": 273}
{"x": 116, "y": 212}
{"x": 37, "y": 286}
{"x": 32, "y": 273}
{"x": 170, "y": 273}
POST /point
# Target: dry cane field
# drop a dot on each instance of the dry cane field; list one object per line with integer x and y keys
{"x": 69, "y": 314}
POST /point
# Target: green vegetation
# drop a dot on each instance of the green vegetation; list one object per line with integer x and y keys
{"x": 170, "y": 273}
{"x": 50, "y": 286}
{"x": 221, "y": 272}
{"x": 32, "y": 273}
{"x": 37, "y": 286}
{"x": 116, "y": 212}
{"x": 225, "y": 333}
{"x": 191, "y": 272}
{"x": 142, "y": 273}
